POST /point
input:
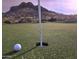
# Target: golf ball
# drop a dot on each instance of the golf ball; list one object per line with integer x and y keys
{"x": 17, "y": 47}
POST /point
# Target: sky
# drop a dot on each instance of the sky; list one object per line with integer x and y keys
{"x": 60, "y": 6}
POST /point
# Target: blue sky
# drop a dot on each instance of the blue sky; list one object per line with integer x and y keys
{"x": 60, "y": 6}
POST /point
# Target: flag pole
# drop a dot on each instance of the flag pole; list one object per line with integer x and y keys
{"x": 40, "y": 24}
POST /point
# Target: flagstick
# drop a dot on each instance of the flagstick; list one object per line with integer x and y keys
{"x": 41, "y": 32}
{"x": 22, "y": 57}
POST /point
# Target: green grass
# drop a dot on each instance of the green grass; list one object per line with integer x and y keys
{"x": 61, "y": 38}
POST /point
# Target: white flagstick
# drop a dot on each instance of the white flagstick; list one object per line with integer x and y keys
{"x": 39, "y": 12}
{"x": 22, "y": 57}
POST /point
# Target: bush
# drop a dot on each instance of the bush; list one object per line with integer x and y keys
{"x": 52, "y": 20}
{"x": 7, "y": 22}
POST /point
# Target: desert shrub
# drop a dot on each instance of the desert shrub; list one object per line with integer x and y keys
{"x": 7, "y": 22}
{"x": 52, "y": 20}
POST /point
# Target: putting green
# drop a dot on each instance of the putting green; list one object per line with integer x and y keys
{"x": 61, "y": 38}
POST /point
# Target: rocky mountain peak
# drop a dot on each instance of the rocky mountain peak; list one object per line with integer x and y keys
{"x": 23, "y": 5}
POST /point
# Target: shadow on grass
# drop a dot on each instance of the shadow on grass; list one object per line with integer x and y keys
{"x": 37, "y": 44}
{"x": 10, "y": 53}
{"x": 24, "y": 52}
{"x": 14, "y": 52}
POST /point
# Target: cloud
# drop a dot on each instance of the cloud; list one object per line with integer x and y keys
{"x": 62, "y": 6}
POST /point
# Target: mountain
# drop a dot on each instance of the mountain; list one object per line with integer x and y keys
{"x": 27, "y": 12}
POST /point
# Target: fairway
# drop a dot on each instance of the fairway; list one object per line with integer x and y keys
{"x": 61, "y": 39}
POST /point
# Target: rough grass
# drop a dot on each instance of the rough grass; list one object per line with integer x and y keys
{"x": 61, "y": 38}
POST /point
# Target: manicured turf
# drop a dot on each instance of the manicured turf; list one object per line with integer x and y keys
{"x": 61, "y": 39}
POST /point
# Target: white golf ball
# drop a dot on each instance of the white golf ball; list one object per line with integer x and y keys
{"x": 17, "y": 47}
